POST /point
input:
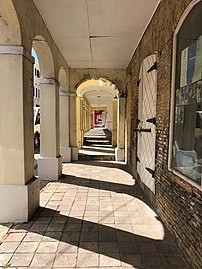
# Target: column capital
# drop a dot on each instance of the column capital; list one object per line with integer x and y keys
{"x": 16, "y": 50}
{"x": 50, "y": 81}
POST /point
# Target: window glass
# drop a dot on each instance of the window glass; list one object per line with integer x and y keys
{"x": 187, "y": 137}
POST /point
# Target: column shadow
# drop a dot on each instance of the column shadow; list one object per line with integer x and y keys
{"x": 130, "y": 249}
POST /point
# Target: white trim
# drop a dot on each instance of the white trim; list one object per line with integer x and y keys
{"x": 50, "y": 81}
{"x": 185, "y": 178}
{"x": 63, "y": 93}
{"x": 185, "y": 14}
{"x": 172, "y": 109}
{"x": 16, "y": 50}
{"x": 72, "y": 94}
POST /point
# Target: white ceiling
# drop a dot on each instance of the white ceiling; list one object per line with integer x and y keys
{"x": 99, "y": 98}
{"x": 97, "y": 33}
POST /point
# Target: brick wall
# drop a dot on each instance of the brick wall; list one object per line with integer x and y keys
{"x": 178, "y": 203}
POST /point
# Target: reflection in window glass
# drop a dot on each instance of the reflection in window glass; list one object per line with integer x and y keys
{"x": 187, "y": 137}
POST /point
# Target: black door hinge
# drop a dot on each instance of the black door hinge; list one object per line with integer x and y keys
{"x": 154, "y": 67}
{"x": 137, "y": 159}
{"x": 152, "y": 120}
{"x": 142, "y": 130}
{"x": 152, "y": 172}
{"x": 138, "y": 82}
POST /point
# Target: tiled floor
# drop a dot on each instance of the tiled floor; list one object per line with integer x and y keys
{"x": 94, "y": 217}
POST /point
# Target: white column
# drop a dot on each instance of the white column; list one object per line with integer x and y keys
{"x": 19, "y": 189}
{"x": 50, "y": 160}
{"x": 120, "y": 151}
{"x": 73, "y": 127}
{"x": 110, "y": 116}
{"x": 65, "y": 150}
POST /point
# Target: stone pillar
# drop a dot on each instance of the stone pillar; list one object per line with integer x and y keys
{"x": 19, "y": 189}
{"x": 79, "y": 121}
{"x": 50, "y": 160}
{"x": 120, "y": 151}
{"x": 65, "y": 150}
{"x": 110, "y": 116}
{"x": 114, "y": 131}
{"x": 73, "y": 126}
{"x": 94, "y": 118}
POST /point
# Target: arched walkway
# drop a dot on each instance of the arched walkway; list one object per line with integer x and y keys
{"x": 98, "y": 99}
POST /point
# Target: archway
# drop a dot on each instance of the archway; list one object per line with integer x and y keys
{"x": 98, "y": 107}
{"x": 50, "y": 161}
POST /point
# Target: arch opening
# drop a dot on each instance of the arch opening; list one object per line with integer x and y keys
{"x": 43, "y": 72}
{"x": 97, "y": 119}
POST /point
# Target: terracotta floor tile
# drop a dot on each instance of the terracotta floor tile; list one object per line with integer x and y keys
{"x": 9, "y": 247}
{"x": 43, "y": 260}
{"x": 134, "y": 260}
{"x": 33, "y": 237}
{"x": 86, "y": 247}
{"x": 106, "y": 247}
{"x": 89, "y": 237}
{"x": 20, "y": 259}
{"x": 110, "y": 259}
{"x": 108, "y": 235}
{"x": 47, "y": 247}
{"x": 65, "y": 260}
{"x": 70, "y": 236}
{"x": 52, "y": 236}
{"x": 27, "y": 247}
{"x": 68, "y": 247}
{"x": 87, "y": 260}
{"x": 13, "y": 237}
{"x": 4, "y": 259}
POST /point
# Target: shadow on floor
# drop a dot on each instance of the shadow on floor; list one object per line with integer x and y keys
{"x": 126, "y": 247}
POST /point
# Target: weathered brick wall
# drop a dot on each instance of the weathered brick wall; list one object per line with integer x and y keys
{"x": 178, "y": 203}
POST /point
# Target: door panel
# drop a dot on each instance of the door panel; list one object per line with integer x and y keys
{"x": 146, "y": 126}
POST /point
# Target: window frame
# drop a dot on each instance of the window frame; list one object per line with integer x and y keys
{"x": 172, "y": 106}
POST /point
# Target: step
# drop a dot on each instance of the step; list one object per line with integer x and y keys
{"x": 99, "y": 142}
{"x": 86, "y": 157}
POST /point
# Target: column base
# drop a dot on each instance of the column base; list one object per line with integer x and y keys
{"x": 50, "y": 168}
{"x": 66, "y": 154}
{"x": 19, "y": 202}
{"x": 75, "y": 153}
{"x": 119, "y": 154}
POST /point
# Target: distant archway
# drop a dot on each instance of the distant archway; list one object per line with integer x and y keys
{"x": 97, "y": 103}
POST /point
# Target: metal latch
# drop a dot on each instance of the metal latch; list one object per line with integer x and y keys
{"x": 152, "y": 120}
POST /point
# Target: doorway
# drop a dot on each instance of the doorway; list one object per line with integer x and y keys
{"x": 147, "y": 121}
